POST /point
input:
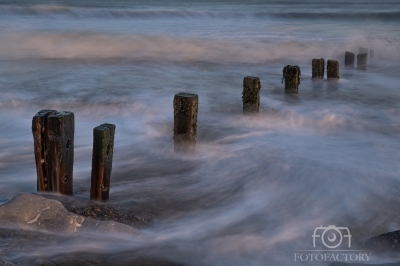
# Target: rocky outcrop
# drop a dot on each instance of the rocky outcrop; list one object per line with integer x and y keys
{"x": 47, "y": 214}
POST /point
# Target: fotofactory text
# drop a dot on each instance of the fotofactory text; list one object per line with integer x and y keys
{"x": 332, "y": 243}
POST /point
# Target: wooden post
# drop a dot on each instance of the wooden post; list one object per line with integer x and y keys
{"x": 251, "y": 95}
{"x": 332, "y": 69}
{"x": 362, "y": 61}
{"x": 291, "y": 76}
{"x": 53, "y": 134}
{"x": 39, "y": 126}
{"x": 363, "y": 51}
{"x": 318, "y": 67}
{"x": 185, "y": 121}
{"x": 103, "y": 147}
{"x": 371, "y": 54}
{"x": 349, "y": 59}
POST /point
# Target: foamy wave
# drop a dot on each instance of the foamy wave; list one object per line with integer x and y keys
{"x": 94, "y": 46}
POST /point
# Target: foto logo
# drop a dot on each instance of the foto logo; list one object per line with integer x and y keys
{"x": 331, "y": 236}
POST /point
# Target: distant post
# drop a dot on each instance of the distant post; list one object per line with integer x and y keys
{"x": 349, "y": 59}
{"x": 103, "y": 147}
{"x": 53, "y": 134}
{"x": 185, "y": 121}
{"x": 362, "y": 61}
{"x": 332, "y": 69}
{"x": 363, "y": 51}
{"x": 251, "y": 95}
{"x": 371, "y": 54}
{"x": 291, "y": 76}
{"x": 318, "y": 67}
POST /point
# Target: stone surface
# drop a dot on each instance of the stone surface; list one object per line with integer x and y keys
{"x": 386, "y": 244}
{"x": 5, "y": 263}
{"x": 47, "y": 214}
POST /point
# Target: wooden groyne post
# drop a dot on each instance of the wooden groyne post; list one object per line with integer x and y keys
{"x": 251, "y": 94}
{"x": 53, "y": 135}
{"x": 291, "y": 76}
{"x": 332, "y": 69}
{"x": 349, "y": 59}
{"x": 185, "y": 121}
{"x": 318, "y": 68}
{"x": 362, "y": 61}
{"x": 363, "y": 51}
{"x": 103, "y": 149}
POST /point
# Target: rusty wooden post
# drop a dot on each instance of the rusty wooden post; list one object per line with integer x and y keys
{"x": 349, "y": 59}
{"x": 318, "y": 67}
{"x": 103, "y": 147}
{"x": 53, "y": 134}
{"x": 332, "y": 69}
{"x": 291, "y": 76}
{"x": 185, "y": 121}
{"x": 251, "y": 95}
{"x": 362, "y": 61}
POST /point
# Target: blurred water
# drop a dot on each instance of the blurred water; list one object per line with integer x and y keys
{"x": 257, "y": 187}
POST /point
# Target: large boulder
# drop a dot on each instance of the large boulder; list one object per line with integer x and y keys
{"x": 30, "y": 210}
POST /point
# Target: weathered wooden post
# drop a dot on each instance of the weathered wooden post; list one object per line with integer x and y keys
{"x": 362, "y": 61}
{"x": 251, "y": 95}
{"x": 363, "y": 51}
{"x": 291, "y": 76}
{"x": 332, "y": 69}
{"x": 185, "y": 121}
{"x": 318, "y": 68}
{"x": 53, "y": 134}
{"x": 371, "y": 54}
{"x": 103, "y": 147}
{"x": 349, "y": 59}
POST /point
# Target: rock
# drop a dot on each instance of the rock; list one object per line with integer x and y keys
{"x": 385, "y": 242}
{"x": 388, "y": 243}
{"x": 5, "y": 263}
{"x": 47, "y": 214}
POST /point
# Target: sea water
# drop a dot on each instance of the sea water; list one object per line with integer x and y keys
{"x": 257, "y": 187}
